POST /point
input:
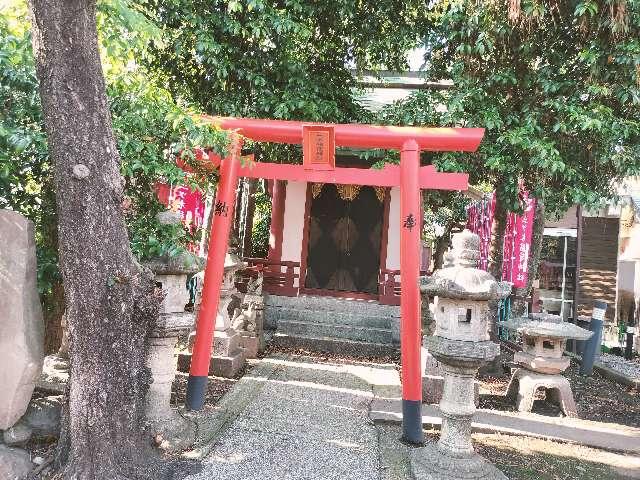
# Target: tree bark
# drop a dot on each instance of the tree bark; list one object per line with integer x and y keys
{"x": 496, "y": 251}
{"x": 520, "y": 294}
{"x": 111, "y": 301}
{"x": 442, "y": 244}
{"x": 496, "y": 246}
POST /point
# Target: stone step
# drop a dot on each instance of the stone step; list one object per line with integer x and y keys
{"x": 346, "y": 332}
{"x": 329, "y": 317}
{"x": 333, "y": 304}
{"x": 338, "y": 346}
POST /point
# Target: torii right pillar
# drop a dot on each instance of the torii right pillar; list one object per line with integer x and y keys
{"x": 410, "y": 325}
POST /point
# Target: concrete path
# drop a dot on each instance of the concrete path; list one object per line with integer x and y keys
{"x": 298, "y": 420}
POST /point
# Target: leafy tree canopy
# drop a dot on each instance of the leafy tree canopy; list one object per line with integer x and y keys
{"x": 556, "y": 84}
{"x": 279, "y": 59}
{"x": 151, "y": 128}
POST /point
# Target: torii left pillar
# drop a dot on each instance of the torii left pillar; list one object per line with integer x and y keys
{"x": 410, "y": 324}
{"x": 213, "y": 274}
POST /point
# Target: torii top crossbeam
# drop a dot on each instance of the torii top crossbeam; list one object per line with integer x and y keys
{"x": 356, "y": 135}
{"x": 319, "y": 142}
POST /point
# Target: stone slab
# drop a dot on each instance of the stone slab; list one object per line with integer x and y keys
{"x": 21, "y": 324}
{"x": 43, "y": 416}
{"x": 352, "y": 348}
{"x": 55, "y": 375}
{"x": 15, "y": 464}
{"x": 541, "y": 364}
{"x": 227, "y": 366}
{"x": 250, "y": 343}
{"x": 573, "y": 430}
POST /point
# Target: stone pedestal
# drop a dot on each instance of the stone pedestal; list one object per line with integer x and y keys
{"x": 524, "y": 384}
{"x": 248, "y": 321}
{"x": 250, "y": 344}
{"x": 453, "y": 455}
{"x": 172, "y": 432}
{"x": 228, "y": 358}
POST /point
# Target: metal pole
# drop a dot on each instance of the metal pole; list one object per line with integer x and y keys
{"x": 410, "y": 326}
{"x": 631, "y": 330}
{"x": 564, "y": 278}
{"x": 214, "y": 271}
{"x": 576, "y": 277}
{"x": 591, "y": 348}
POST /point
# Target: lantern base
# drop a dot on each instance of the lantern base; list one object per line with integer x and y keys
{"x": 431, "y": 463}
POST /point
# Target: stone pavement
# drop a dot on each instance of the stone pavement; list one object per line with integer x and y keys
{"x": 297, "y": 419}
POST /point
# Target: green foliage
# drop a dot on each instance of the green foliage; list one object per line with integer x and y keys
{"x": 150, "y": 128}
{"x": 555, "y": 84}
{"x": 443, "y": 211}
{"x": 152, "y": 131}
{"x": 26, "y": 177}
{"x": 282, "y": 60}
{"x": 261, "y": 224}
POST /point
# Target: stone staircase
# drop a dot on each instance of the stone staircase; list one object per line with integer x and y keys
{"x": 335, "y": 325}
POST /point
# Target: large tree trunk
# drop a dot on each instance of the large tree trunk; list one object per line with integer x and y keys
{"x": 496, "y": 249}
{"x": 496, "y": 245}
{"x": 519, "y": 303}
{"x": 111, "y": 301}
{"x": 442, "y": 245}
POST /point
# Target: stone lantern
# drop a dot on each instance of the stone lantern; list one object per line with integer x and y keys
{"x": 461, "y": 345}
{"x": 544, "y": 338}
{"x": 227, "y": 355}
{"x": 171, "y": 431}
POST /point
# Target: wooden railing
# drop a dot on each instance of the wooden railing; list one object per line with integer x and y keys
{"x": 279, "y": 276}
{"x": 389, "y": 286}
{"x": 283, "y": 278}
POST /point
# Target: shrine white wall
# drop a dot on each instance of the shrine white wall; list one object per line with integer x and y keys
{"x": 393, "y": 239}
{"x": 293, "y": 227}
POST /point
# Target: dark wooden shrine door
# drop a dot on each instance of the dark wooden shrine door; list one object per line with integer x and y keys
{"x": 345, "y": 232}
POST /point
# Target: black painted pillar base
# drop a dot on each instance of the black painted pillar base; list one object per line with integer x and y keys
{"x": 412, "y": 422}
{"x": 196, "y": 390}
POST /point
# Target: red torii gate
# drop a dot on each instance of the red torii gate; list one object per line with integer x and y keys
{"x": 409, "y": 176}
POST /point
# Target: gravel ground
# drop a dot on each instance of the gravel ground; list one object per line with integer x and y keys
{"x": 630, "y": 368}
{"x": 597, "y": 398}
{"x": 524, "y": 458}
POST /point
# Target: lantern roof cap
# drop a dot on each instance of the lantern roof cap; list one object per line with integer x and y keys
{"x": 184, "y": 263}
{"x": 461, "y": 278}
{"x": 547, "y": 326}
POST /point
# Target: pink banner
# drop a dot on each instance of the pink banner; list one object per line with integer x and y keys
{"x": 517, "y": 238}
{"x": 190, "y": 203}
{"x": 517, "y": 244}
